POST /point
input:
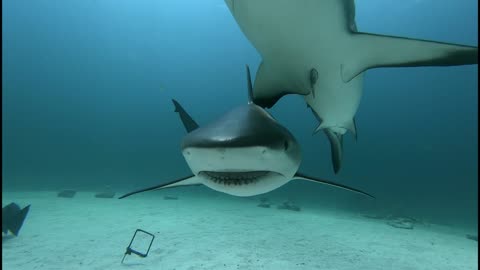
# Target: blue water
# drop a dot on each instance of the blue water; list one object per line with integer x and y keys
{"x": 87, "y": 88}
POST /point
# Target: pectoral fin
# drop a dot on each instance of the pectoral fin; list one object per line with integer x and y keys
{"x": 389, "y": 51}
{"x": 271, "y": 85}
{"x": 352, "y": 127}
{"x": 190, "y": 180}
{"x": 301, "y": 176}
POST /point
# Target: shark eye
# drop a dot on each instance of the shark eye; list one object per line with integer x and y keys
{"x": 285, "y": 145}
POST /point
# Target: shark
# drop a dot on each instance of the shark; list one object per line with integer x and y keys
{"x": 313, "y": 48}
{"x": 13, "y": 217}
{"x": 246, "y": 152}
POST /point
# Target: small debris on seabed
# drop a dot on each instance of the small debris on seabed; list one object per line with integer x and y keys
{"x": 375, "y": 216}
{"x": 170, "y": 197}
{"x": 288, "y": 205}
{"x": 264, "y": 203}
{"x": 472, "y": 237}
{"x": 107, "y": 195}
{"x": 402, "y": 222}
{"x": 66, "y": 193}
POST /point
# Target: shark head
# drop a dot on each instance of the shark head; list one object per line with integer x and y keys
{"x": 246, "y": 152}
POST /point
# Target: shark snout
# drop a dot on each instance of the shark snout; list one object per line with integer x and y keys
{"x": 246, "y": 159}
{"x": 245, "y": 139}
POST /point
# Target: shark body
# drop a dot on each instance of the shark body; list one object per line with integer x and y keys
{"x": 246, "y": 152}
{"x": 313, "y": 48}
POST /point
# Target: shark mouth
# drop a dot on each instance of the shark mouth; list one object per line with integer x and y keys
{"x": 236, "y": 178}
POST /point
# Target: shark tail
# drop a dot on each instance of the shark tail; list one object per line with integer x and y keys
{"x": 17, "y": 222}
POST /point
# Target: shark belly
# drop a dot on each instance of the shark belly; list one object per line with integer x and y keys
{"x": 290, "y": 51}
{"x": 268, "y": 23}
{"x": 336, "y": 102}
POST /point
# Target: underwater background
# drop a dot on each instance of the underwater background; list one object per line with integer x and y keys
{"x": 87, "y": 88}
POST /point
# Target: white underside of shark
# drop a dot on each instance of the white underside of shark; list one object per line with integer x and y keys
{"x": 312, "y": 48}
{"x": 237, "y": 160}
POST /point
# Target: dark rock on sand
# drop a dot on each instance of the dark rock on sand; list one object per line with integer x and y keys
{"x": 472, "y": 237}
{"x": 402, "y": 222}
{"x": 264, "y": 203}
{"x": 375, "y": 216}
{"x": 288, "y": 205}
{"x": 66, "y": 193}
{"x": 107, "y": 195}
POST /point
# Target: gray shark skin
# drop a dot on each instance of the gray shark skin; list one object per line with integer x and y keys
{"x": 313, "y": 48}
{"x": 13, "y": 217}
{"x": 245, "y": 152}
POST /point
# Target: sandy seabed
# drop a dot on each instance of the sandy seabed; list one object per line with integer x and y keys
{"x": 219, "y": 232}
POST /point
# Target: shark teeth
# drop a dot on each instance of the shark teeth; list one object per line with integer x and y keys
{"x": 235, "y": 178}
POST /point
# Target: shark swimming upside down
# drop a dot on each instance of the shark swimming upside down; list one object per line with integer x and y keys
{"x": 313, "y": 48}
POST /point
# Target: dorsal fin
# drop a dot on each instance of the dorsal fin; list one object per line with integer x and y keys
{"x": 187, "y": 120}
{"x": 249, "y": 85}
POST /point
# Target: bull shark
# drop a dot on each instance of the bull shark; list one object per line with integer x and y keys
{"x": 13, "y": 217}
{"x": 313, "y": 48}
{"x": 244, "y": 153}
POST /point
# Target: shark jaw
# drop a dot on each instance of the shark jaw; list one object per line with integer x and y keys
{"x": 243, "y": 171}
{"x": 243, "y": 183}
